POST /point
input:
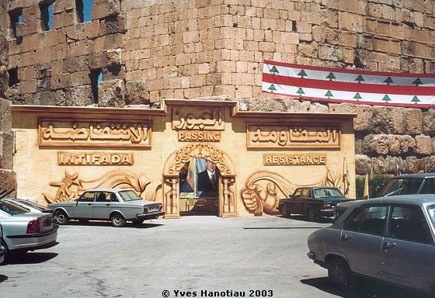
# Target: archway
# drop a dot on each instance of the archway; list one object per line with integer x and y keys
{"x": 171, "y": 181}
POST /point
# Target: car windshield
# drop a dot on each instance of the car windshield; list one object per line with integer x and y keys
{"x": 327, "y": 192}
{"x": 129, "y": 195}
{"x": 34, "y": 205}
{"x": 401, "y": 186}
{"x": 12, "y": 209}
{"x": 431, "y": 210}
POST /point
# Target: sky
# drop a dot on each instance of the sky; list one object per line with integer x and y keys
{"x": 87, "y": 10}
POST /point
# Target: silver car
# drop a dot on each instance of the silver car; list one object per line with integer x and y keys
{"x": 24, "y": 230}
{"x": 27, "y": 204}
{"x": 391, "y": 239}
{"x": 116, "y": 205}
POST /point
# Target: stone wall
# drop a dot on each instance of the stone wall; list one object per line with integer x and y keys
{"x": 192, "y": 48}
{"x": 388, "y": 139}
{"x": 154, "y": 49}
{"x": 54, "y": 66}
{"x": 148, "y": 50}
{"x": 7, "y": 176}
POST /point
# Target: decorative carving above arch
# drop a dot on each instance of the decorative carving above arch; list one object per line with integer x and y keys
{"x": 177, "y": 159}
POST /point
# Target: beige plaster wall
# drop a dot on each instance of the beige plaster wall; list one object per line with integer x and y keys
{"x": 38, "y": 167}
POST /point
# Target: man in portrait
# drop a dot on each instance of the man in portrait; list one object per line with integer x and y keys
{"x": 208, "y": 180}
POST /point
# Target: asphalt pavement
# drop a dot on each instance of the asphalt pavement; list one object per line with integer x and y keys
{"x": 195, "y": 256}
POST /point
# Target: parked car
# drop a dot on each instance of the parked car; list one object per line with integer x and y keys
{"x": 313, "y": 202}
{"x": 391, "y": 239}
{"x": 422, "y": 183}
{"x": 116, "y": 205}
{"x": 2, "y": 248}
{"x": 24, "y": 230}
{"x": 31, "y": 206}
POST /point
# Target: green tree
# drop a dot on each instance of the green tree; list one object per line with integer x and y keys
{"x": 388, "y": 80}
{"x": 329, "y": 94}
{"x": 359, "y": 79}
{"x": 357, "y": 96}
{"x": 415, "y": 100}
{"x": 386, "y": 98}
{"x": 300, "y": 91}
{"x": 302, "y": 73}
{"x": 417, "y": 82}
{"x": 331, "y": 76}
{"x": 272, "y": 88}
{"x": 274, "y": 70}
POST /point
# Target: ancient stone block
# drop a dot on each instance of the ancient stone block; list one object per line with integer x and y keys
{"x": 111, "y": 93}
{"x": 8, "y": 181}
{"x": 414, "y": 121}
{"x": 6, "y": 149}
{"x": 429, "y": 122}
{"x": 383, "y": 144}
{"x": 388, "y": 120}
{"x": 423, "y": 145}
{"x": 5, "y": 115}
{"x": 105, "y": 8}
{"x": 363, "y": 120}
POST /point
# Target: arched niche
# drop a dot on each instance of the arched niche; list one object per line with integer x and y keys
{"x": 171, "y": 195}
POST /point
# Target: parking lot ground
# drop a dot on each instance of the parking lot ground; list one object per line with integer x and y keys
{"x": 205, "y": 256}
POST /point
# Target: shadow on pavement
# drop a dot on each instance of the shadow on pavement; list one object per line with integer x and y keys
{"x": 30, "y": 258}
{"x": 3, "y": 278}
{"x": 109, "y": 224}
{"x": 304, "y": 218}
{"x": 362, "y": 288}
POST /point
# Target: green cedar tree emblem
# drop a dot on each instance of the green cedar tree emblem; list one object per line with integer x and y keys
{"x": 357, "y": 96}
{"x": 302, "y": 74}
{"x": 329, "y": 94}
{"x": 415, "y": 100}
{"x": 359, "y": 79}
{"x": 300, "y": 91}
{"x": 274, "y": 70}
{"x": 272, "y": 88}
{"x": 417, "y": 82}
{"x": 331, "y": 76}
{"x": 386, "y": 98}
{"x": 388, "y": 80}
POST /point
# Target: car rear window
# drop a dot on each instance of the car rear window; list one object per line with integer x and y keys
{"x": 12, "y": 209}
{"x": 431, "y": 210}
{"x": 429, "y": 186}
{"x": 129, "y": 195}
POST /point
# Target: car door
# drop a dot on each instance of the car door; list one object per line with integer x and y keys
{"x": 408, "y": 249}
{"x": 83, "y": 208}
{"x": 294, "y": 202}
{"x": 102, "y": 206}
{"x": 362, "y": 237}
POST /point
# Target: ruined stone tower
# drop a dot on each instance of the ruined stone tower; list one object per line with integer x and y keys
{"x": 154, "y": 49}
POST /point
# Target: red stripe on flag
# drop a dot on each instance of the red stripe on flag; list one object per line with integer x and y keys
{"x": 363, "y": 72}
{"x": 351, "y": 87}
{"x": 362, "y": 102}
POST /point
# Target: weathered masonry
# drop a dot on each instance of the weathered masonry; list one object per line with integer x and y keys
{"x": 261, "y": 157}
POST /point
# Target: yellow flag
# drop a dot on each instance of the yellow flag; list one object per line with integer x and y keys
{"x": 366, "y": 193}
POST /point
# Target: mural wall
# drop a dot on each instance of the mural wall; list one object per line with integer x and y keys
{"x": 189, "y": 156}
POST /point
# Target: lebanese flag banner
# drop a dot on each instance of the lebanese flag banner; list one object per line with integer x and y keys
{"x": 345, "y": 85}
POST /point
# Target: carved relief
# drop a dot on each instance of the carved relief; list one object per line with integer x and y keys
{"x": 283, "y": 159}
{"x": 228, "y": 200}
{"x": 94, "y": 159}
{"x": 197, "y": 119}
{"x": 264, "y": 189}
{"x": 95, "y": 133}
{"x": 71, "y": 186}
{"x": 199, "y": 136}
{"x": 293, "y": 135}
{"x": 338, "y": 180}
{"x": 207, "y": 151}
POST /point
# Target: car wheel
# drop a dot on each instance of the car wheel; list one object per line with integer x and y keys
{"x": 117, "y": 220}
{"x": 61, "y": 217}
{"x": 338, "y": 272}
{"x": 284, "y": 211}
{"x": 6, "y": 249}
{"x": 311, "y": 215}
